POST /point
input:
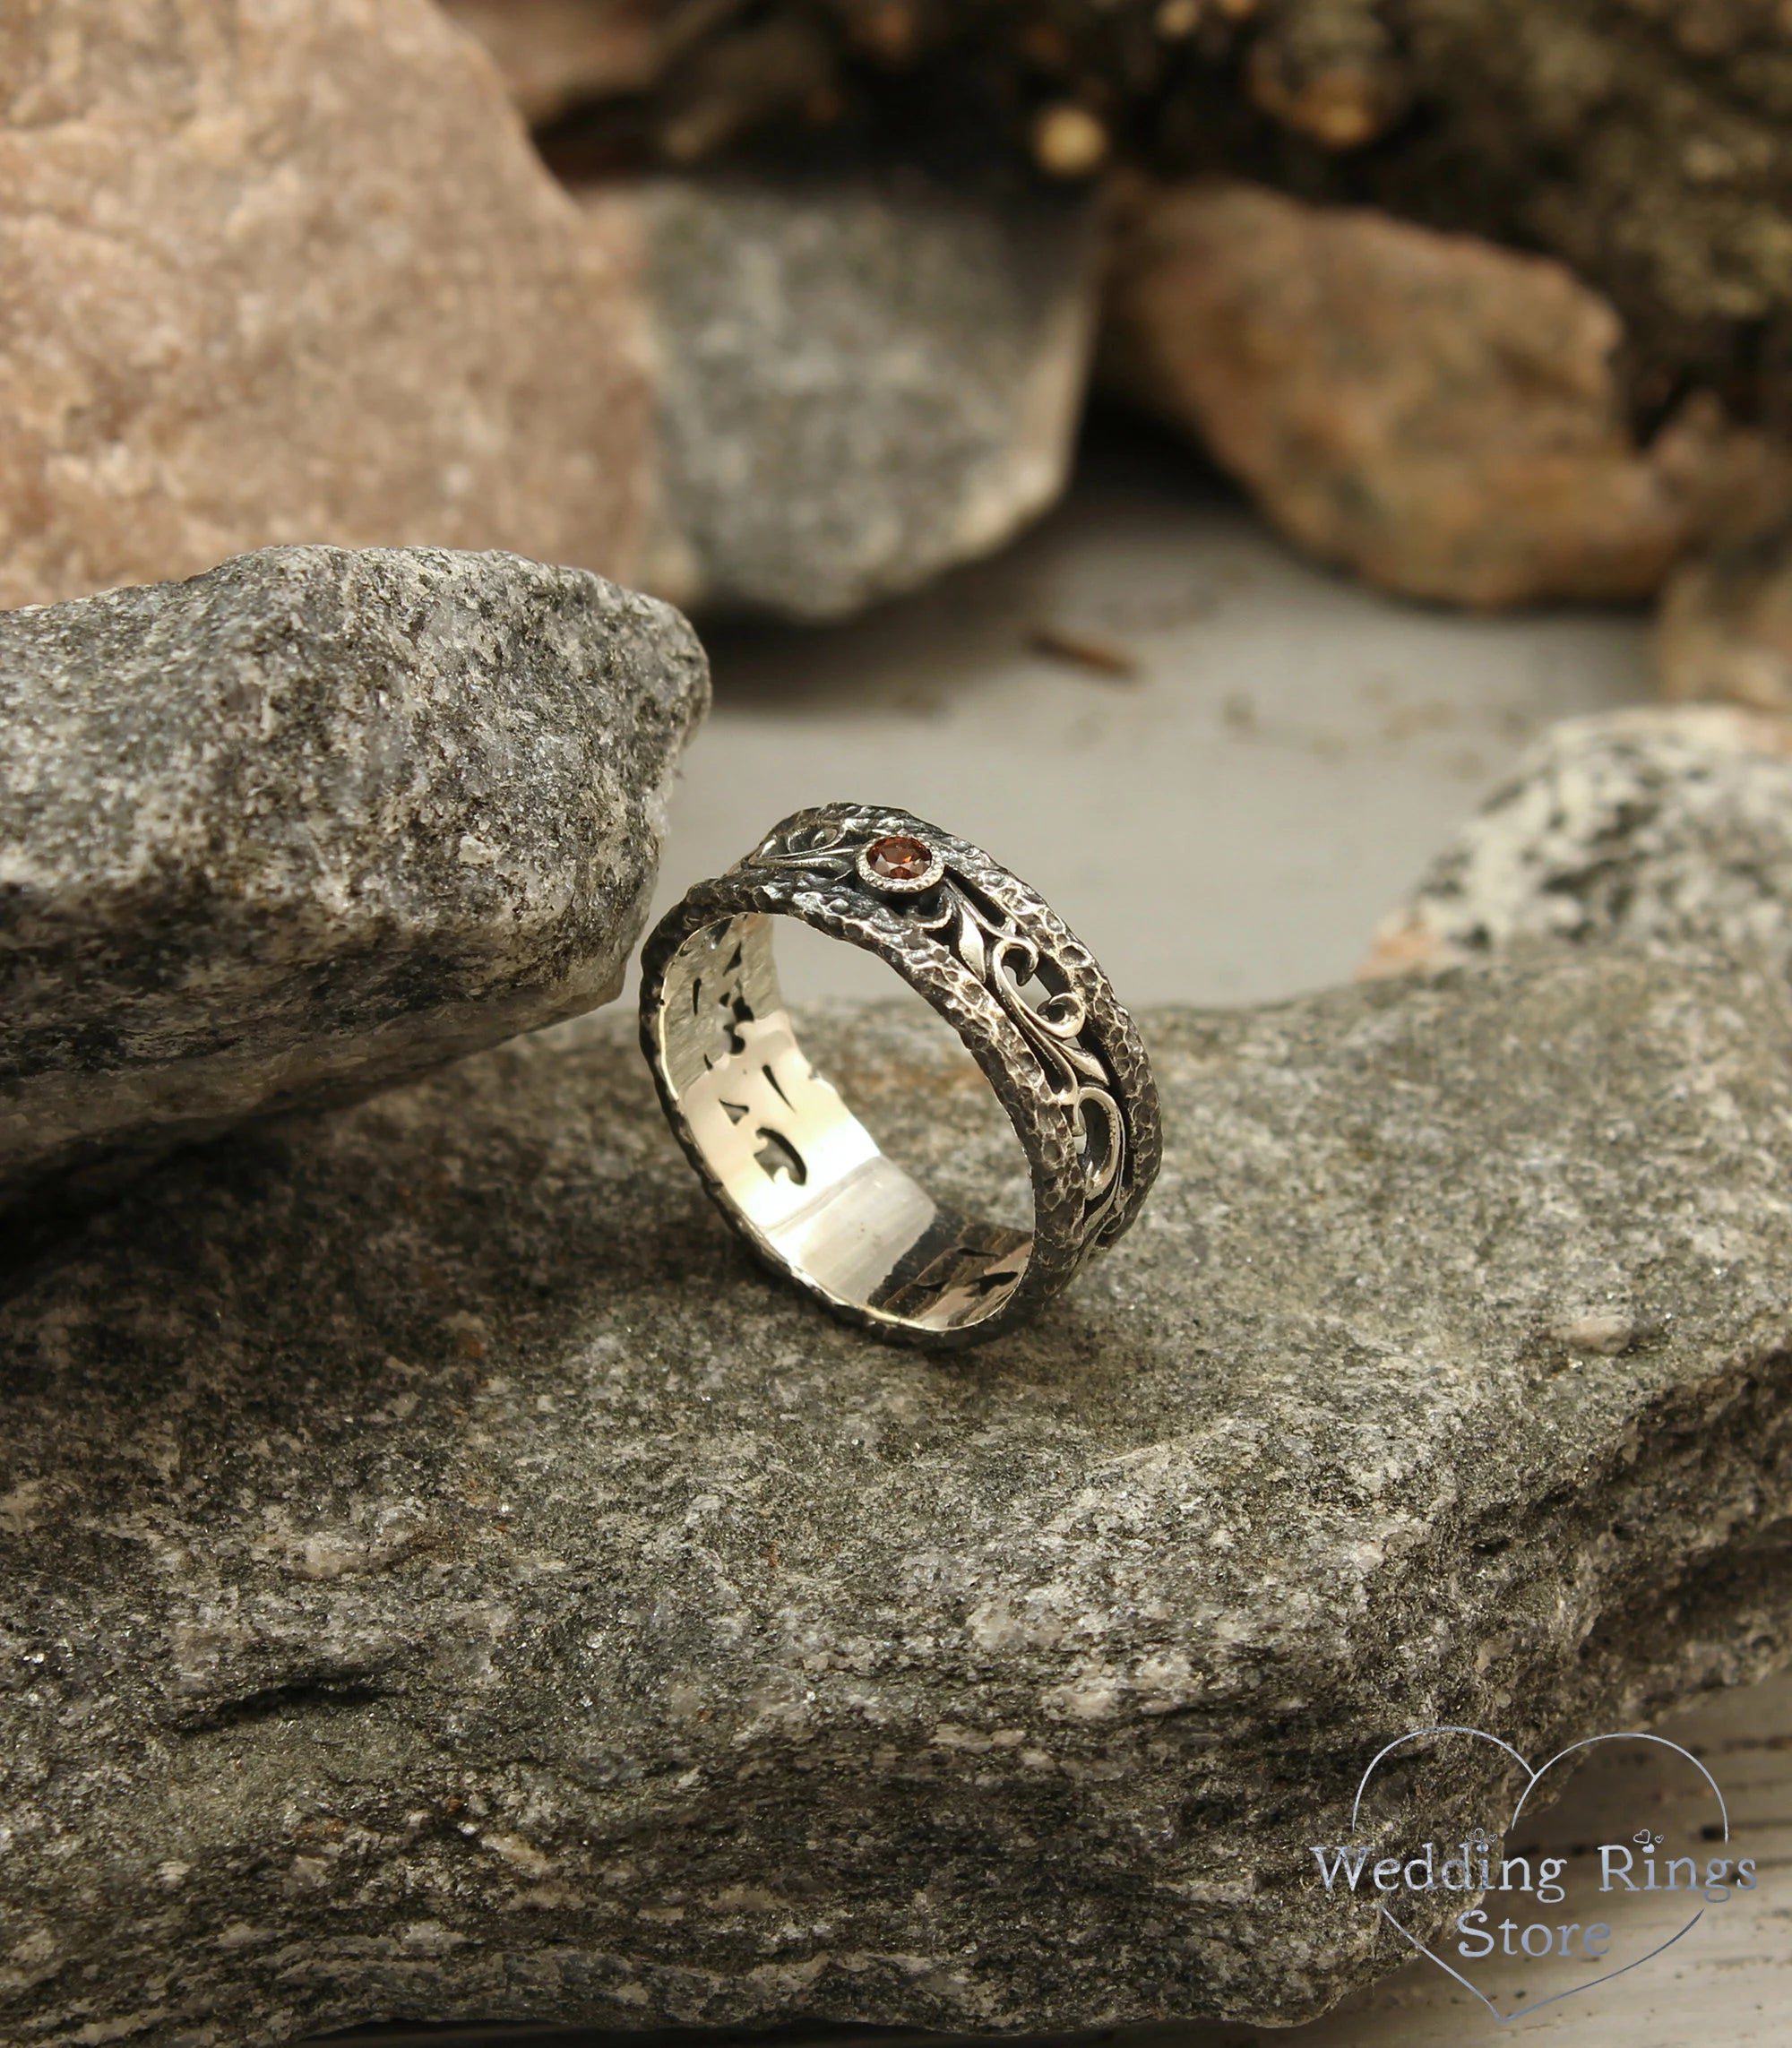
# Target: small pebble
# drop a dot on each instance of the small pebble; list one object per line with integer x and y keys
{"x": 1602, "y": 1330}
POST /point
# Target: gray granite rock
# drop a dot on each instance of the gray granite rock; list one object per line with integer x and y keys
{"x": 1657, "y": 826}
{"x": 307, "y": 824}
{"x": 859, "y": 384}
{"x": 441, "y": 1576}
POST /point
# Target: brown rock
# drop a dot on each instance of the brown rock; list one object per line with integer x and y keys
{"x": 1725, "y": 627}
{"x": 293, "y": 273}
{"x": 557, "y": 53}
{"x": 1439, "y": 414}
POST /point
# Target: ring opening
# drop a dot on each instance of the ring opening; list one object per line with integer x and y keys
{"x": 810, "y": 1182}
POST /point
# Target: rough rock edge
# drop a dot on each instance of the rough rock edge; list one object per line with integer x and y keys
{"x": 344, "y": 987}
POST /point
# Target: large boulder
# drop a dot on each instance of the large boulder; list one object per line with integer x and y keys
{"x": 294, "y": 273}
{"x": 307, "y": 824}
{"x": 444, "y": 1578}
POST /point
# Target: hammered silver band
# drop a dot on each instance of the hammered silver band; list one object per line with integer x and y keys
{"x": 787, "y": 1161}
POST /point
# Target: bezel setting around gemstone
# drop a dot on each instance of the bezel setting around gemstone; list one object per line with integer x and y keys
{"x": 897, "y": 864}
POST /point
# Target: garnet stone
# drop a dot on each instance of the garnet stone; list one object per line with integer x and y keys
{"x": 898, "y": 858}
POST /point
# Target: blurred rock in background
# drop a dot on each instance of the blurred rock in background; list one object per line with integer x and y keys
{"x": 1645, "y": 143}
{"x": 1486, "y": 299}
{"x": 1481, "y": 427}
{"x": 295, "y": 275}
{"x": 1660, "y": 826}
{"x": 861, "y": 382}
{"x": 1340, "y": 363}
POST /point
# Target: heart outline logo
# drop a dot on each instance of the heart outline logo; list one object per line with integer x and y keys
{"x": 1532, "y": 1779}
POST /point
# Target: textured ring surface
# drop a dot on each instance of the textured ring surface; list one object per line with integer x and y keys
{"x": 795, "y": 1171}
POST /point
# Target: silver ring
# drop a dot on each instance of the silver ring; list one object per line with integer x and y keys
{"x": 788, "y": 1164}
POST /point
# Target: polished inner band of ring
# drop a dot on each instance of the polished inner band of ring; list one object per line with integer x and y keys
{"x": 798, "y": 1168}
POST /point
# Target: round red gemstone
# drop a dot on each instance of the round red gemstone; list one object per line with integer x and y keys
{"x": 898, "y": 858}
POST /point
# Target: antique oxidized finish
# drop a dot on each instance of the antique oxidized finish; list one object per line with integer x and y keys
{"x": 796, "y": 1173}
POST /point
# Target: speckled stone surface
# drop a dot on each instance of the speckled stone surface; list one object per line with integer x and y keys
{"x": 313, "y": 821}
{"x": 440, "y": 1576}
{"x": 860, "y": 383}
{"x": 1658, "y": 826}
